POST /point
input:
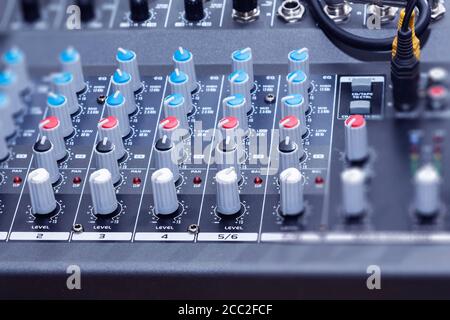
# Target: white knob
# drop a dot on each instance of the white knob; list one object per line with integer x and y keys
{"x": 427, "y": 184}
{"x": 294, "y": 105}
{"x": 46, "y": 158}
{"x": 289, "y": 154}
{"x": 6, "y": 110}
{"x": 9, "y": 85}
{"x": 70, "y": 60}
{"x": 356, "y": 144}
{"x": 231, "y": 127}
{"x": 291, "y": 192}
{"x": 353, "y": 192}
{"x": 227, "y": 155}
{"x": 243, "y": 60}
{"x": 51, "y": 128}
{"x": 180, "y": 84}
{"x": 41, "y": 192}
{"x": 59, "y": 108}
{"x": 104, "y": 199}
{"x": 184, "y": 61}
{"x": 15, "y": 60}
{"x": 127, "y": 61}
{"x": 291, "y": 127}
{"x": 164, "y": 192}
{"x": 240, "y": 84}
{"x": 299, "y": 61}
{"x": 106, "y": 158}
{"x": 236, "y": 106}
{"x": 175, "y": 106}
{"x": 64, "y": 84}
{"x": 166, "y": 156}
{"x": 109, "y": 128}
{"x": 298, "y": 83}
{"x": 228, "y": 199}
{"x": 123, "y": 82}
{"x": 116, "y": 106}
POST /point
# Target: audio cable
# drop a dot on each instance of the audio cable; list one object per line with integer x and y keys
{"x": 370, "y": 44}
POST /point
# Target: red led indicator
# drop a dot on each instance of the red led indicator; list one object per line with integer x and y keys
{"x": 76, "y": 180}
{"x": 17, "y": 180}
{"x": 258, "y": 181}
{"x": 137, "y": 181}
{"x": 197, "y": 180}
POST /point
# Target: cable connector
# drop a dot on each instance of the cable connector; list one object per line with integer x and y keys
{"x": 412, "y": 27}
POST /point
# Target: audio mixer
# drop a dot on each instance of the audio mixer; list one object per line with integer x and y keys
{"x": 224, "y": 148}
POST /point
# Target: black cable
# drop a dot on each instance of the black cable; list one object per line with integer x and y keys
{"x": 410, "y": 7}
{"x": 371, "y": 44}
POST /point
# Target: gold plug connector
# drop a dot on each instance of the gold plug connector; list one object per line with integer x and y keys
{"x": 415, "y": 39}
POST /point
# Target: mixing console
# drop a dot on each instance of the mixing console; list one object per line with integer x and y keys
{"x": 138, "y": 136}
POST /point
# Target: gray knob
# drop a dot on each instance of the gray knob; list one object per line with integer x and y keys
{"x": 243, "y": 60}
{"x": 116, "y": 106}
{"x": 298, "y": 83}
{"x": 166, "y": 156}
{"x": 240, "y": 84}
{"x": 103, "y": 193}
{"x": 289, "y": 154}
{"x": 230, "y": 127}
{"x": 106, "y": 158}
{"x": 184, "y": 61}
{"x": 41, "y": 192}
{"x": 299, "y": 61}
{"x": 291, "y": 127}
{"x": 427, "y": 184}
{"x": 175, "y": 105}
{"x": 291, "y": 192}
{"x": 70, "y": 60}
{"x": 127, "y": 61}
{"x": 227, "y": 155}
{"x": 170, "y": 127}
{"x": 59, "y": 108}
{"x": 109, "y": 128}
{"x": 64, "y": 84}
{"x": 9, "y": 85}
{"x": 353, "y": 192}
{"x": 7, "y": 119}
{"x": 228, "y": 199}
{"x": 123, "y": 82}
{"x": 294, "y": 105}
{"x": 46, "y": 159}
{"x": 179, "y": 84}
{"x": 236, "y": 106}
{"x": 51, "y": 128}
{"x": 164, "y": 192}
{"x": 15, "y": 60}
{"x": 356, "y": 143}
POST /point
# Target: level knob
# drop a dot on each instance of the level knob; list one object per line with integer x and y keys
{"x": 70, "y": 60}
{"x": 240, "y": 84}
{"x": 179, "y": 84}
{"x": 427, "y": 183}
{"x": 183, "y": 60}
{"x": 166, "y": 156}
{"x": 243, "y": 60}
{"x": 291, "y": 192}
{"x": 139, "y": 10}
{"x": 64, "y": 84}
{"x": 353, "y": 192}
{"x": 127, "y": 61}
{"x": 289, "y": 154}
{"x": 236, "y": 106}
{"x": 15, "y": 60}
{"x": 59, "y": 108}
{"x": 227, "y": 155}
{"x": 31, "y": 10}
{"x": 45, "y": 158}
{"x": 227, "y": 195}
{"x": 116, "y": 106}
{"x": 10, "y": 86}
{"x": 123, "y": 82}
{"x": 51, "y": 128}
{"x": 295, "y": 105}
{"x": 6, "y": 110}
{"x": 164, "y": 192}
{"x": 106, "y": 158}
{"x": 356, "y": 143}
{"x": 41, "y": 192}
{"x": 87, "y": 8}
{"x": 109, "y": 127}
{"x": 194, "y": 10}
{"x": 104, "y": 199}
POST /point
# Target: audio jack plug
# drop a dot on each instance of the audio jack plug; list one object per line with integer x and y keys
{"x": 405, "y": 67}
